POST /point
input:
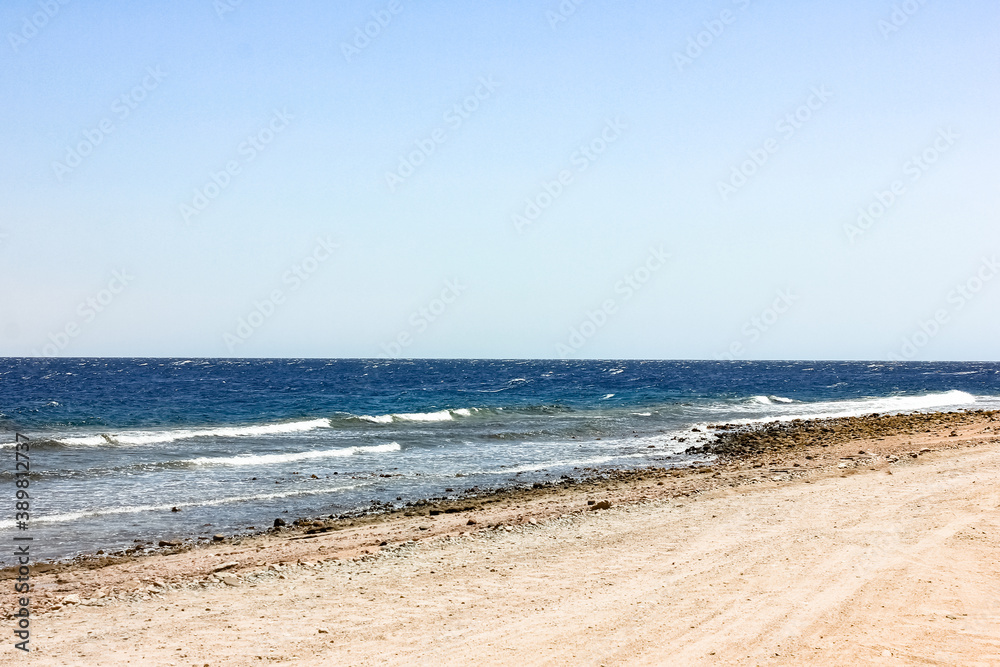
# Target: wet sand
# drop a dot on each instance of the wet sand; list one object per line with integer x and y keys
{"x": 867, "y": 540}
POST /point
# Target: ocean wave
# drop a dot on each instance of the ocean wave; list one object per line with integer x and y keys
{"x": 451, "y": 414}
{"x": 136, "y": 509}
{"x": 863, "y": 406}
{"x": 438, "y": 416}
{"x": 269, "y": 459}
{"x": 377, "y": 419}
{"x": 770, "y": 400}
{"x": 510, "y": 384}
{"x": 158, "y": 437}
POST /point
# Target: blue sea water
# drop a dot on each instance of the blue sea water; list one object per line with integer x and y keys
{"x": 117, "y": 443}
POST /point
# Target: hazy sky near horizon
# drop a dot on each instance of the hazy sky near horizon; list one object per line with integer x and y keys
{"x": 701, "y": 180}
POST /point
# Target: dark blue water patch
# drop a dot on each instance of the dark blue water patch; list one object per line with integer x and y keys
{"x": 148, "y": 393}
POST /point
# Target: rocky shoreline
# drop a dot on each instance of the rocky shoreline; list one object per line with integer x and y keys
{"x": 773, "y": 438}
{"x": 739, "y": 455}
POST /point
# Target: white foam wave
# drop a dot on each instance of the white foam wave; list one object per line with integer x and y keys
{"x": 439, "y": 416}
{"x": 770, "y": 400}
{"x": 89, "y": 440}
{"x": 156, "y": 437}
{"x": 269, "y": 459}
{"x": 862, "y": 406}
{"x": 378, "y": 419}
{"x": 135, "y": 509}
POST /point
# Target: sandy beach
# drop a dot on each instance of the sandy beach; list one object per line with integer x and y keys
{"x": 855, "y": 541}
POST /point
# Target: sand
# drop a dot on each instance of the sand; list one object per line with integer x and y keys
{"x": 860, "y": 560}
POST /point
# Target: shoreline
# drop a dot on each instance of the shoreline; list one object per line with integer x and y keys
{"x": 881, "y": 557}
{"x": 773, "y": 452}
{"x": 168, "y": 541}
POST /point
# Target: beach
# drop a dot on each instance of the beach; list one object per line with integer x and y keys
{"x": 870, "y": 539}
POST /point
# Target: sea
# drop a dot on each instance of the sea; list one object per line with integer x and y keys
{"x": 127, "y": 452}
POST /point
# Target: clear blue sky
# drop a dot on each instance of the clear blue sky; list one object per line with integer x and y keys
{"x": 117, "y": 116}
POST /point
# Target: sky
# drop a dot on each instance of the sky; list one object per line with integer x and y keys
{"x": 733, "y": 179}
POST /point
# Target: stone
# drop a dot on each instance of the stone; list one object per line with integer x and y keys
{"x": 279, "y": 522}
{"x": 601, "y": 505}
{"x": 168, "y": 543}
{"x": 323, "y": 631}
{"x": 218, "y": 537}
{"x": 71, "y": 599}
{"x": 470, "y": 522}
{"x": 224, "y": 566}
{"x": 229, "y": 580}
